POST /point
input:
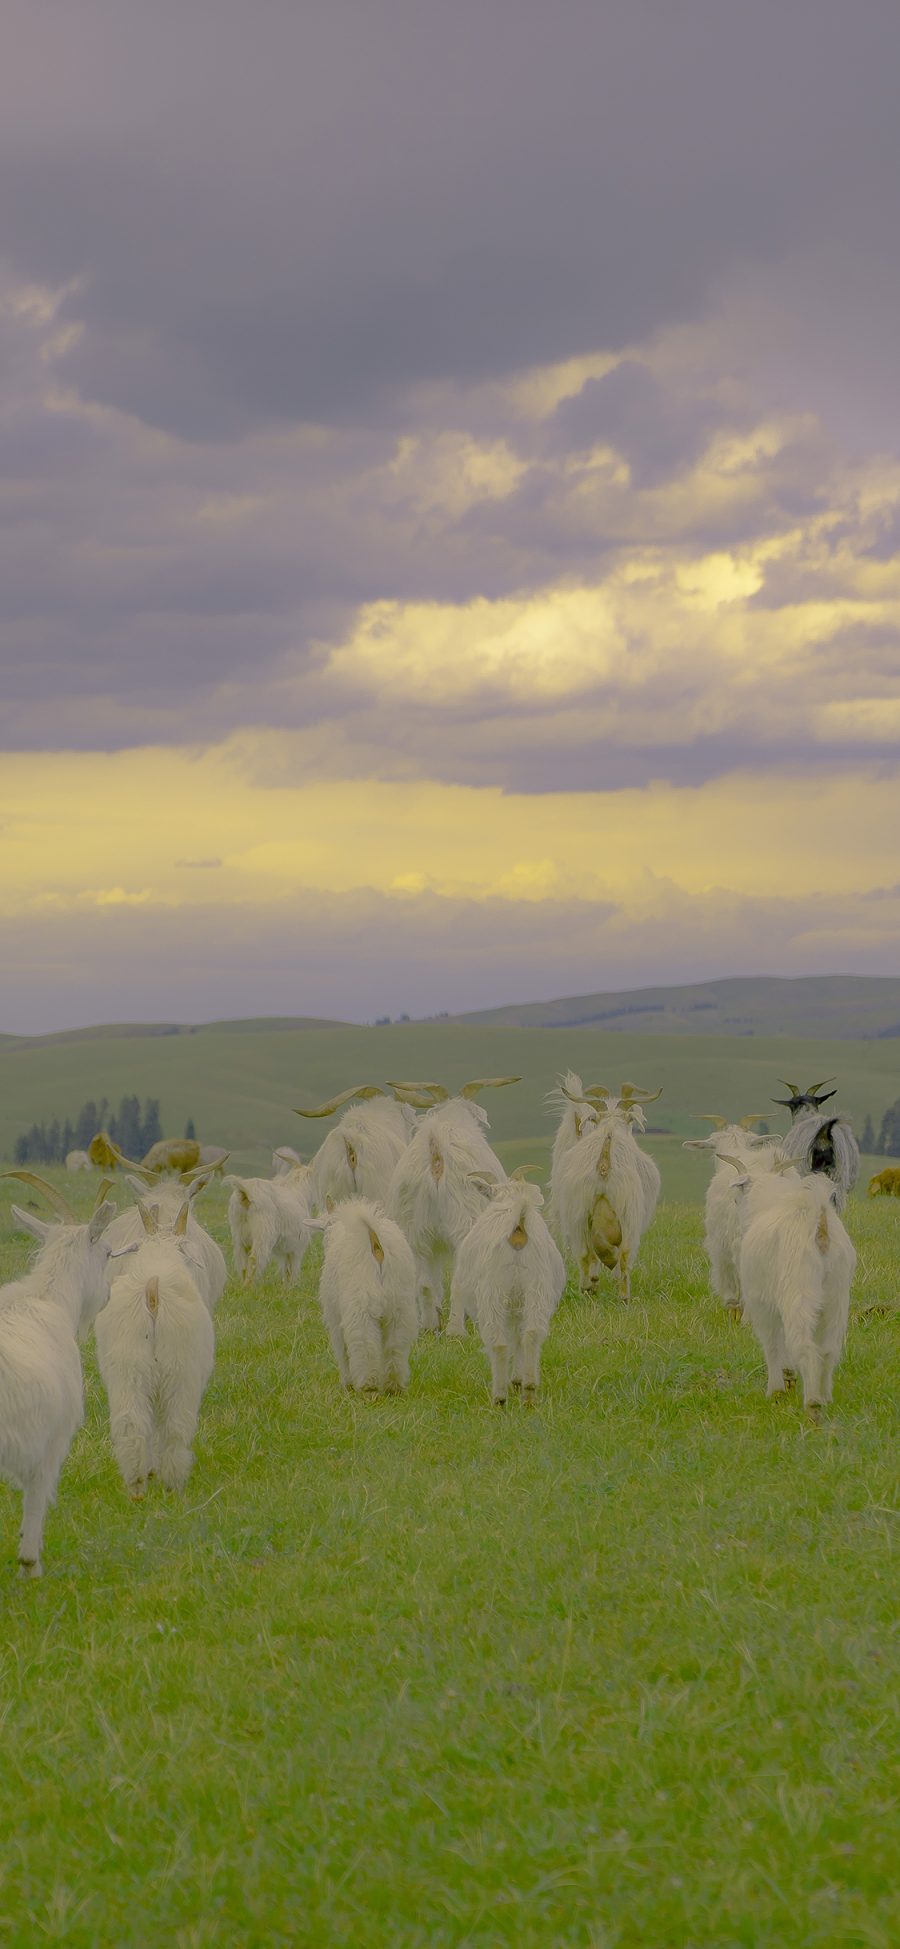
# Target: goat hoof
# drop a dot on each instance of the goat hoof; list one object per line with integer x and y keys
{"x": 30, "y": 1567}
{"x": 814, "y": 1411}
{"x": 790, "y": 1380}
{"x": 529, "y": 1397}
{"x": 499, "y": 1400}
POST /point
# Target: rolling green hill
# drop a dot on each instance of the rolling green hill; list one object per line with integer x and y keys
{"x": 836, "y": 1006}
{"x": 239, "y": 1082}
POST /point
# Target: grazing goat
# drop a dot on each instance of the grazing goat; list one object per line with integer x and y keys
{"x": 269, "y": 1219}
{"x": 204, "y": 1258}
{"x": 358, "y": 1157}
{"x": 78, "y": 1160}
{"x": 155, "y": 1351}
{"x": 605, "y": 1191}
{"x": 432, "y": 1194}
{"x": 368, "y": 1296}
{"x": 886, "y": 1183}
{"x": 41, "y": 1387}
{"x": 796, "y": 1265}
{"x": 509, "y": 1273}
{"x": 818, "y": 1144}
{"x": 723, "y": 1224}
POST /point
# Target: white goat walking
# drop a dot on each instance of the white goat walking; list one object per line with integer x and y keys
{"x": 357, "y": 1159}
{"x": 818, "y": 1143}
{"x": 164, "y": 1199}
{"x": 368, "y": 1296}
{"x": 432, "y": 1195}
{"x": 155, "y": 1351}
{"x": 509, "y": 1273}
{"x": 269, "y": 1219}
{"x": 796, "y": 1266}
{"x": 41, "y": 1387}
{"x": 722, "y": 1238}
{"x": 605, "y": 1191}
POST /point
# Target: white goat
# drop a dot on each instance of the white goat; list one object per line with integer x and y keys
{"x": 432, "y": 1194}
{"x": 284, "y": 1159}
{"x": 509, "y": 1273}
{"x": 578, "y": 1115}
{"x": 155, "y": 1351}
{"x": 78, "y": 1160}
{"x": 368, "y": 1296}
{"x": 605, "y": 1191}
{"x": 357, "y": 1158}
{"x": 41, "y": 1388}
{"x": 269, "y": 1219}
{"x": 796, "y": 1265}
{"x": 722, "y": 1239}
{"x": 204, "y": 1258}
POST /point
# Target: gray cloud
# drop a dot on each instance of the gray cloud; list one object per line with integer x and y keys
{"x": 357, "y": 956}
{"x": 281, "y": 214}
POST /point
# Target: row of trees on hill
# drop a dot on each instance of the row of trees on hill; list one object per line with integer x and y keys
{"x": 133, "y": 1129}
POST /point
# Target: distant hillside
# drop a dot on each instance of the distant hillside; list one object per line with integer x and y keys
{"x": 141, "y": 1031}
{"x": 842, "y": 1007}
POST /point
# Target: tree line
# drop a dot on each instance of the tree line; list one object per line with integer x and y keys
{"x": 133, "y": 1129}
{"x": 887, "y": 1143}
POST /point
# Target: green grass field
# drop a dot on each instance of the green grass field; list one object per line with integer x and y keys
{"x": 240, "y": 1084}
{"x": 419, "y": 1672}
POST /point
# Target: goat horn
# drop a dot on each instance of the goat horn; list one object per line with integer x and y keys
{"x": 633, "y": 1093}
{"x": 521, "y": 1170}
{"x": 54, "y": 1198}
{"x": 345, "y": 1096}
{"x": 205, "y": 1170}
{"x": 746, "y": 1123}
{"x": 726, "y": 1158}
{"x": 418, "y": 1102}
{"x": 106, "y": 1184}
{"x": 487, "y": 1083}
{"x": 793, "y": 1087}
{"x": 818, "y": 1086}
{"x": 706, "y": 1116}
{"x": 422, "y": 1089}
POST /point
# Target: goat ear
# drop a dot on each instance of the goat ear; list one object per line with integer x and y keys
{"x": 99, "y": 1220}
{"x": 29, "y": 1222}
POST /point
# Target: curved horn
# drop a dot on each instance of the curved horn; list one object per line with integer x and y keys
{"x": 469, "y": 1090}
{"x": 54, "y": 1198}
{"x": 345, "y": 1096}
{"x": 149, "y": 1218}
{"x": 819, "y": 1086}
{"x": 106, "y": 1154}
{"x": 793, "y": 1087}
{"x": 706, "y": 1116}
{"x": 436, "y": 1090}
{"x": 746, "y": 1123}
{"x": 406, "y": 1093}
{"x": 738, "y": 1162}
{"x": 204, "y": 1171}
{"x": 597, "y": 1093}
{"x": 106, "y": 1184}
{"x": 633, "y": 1093}
{"x": 521, "y": 1169}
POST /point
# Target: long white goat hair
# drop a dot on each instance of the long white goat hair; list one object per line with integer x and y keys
{"x": 577, "y": 1116}
{"x": 155, "y": 1351}
{"x": 824, "y": 1144}
{"x": 604, "y": 1196}
{"x": 432, "y": 1194}
{"x": 510, "y": 1275}
{"x": 358, "y": 1157}
{"x": 722, "y": 1238}
{"x": 41, "y": 1389}
{"x": 204, "y": 1258}
{"x": 269, "y": 1219}
{"x": 368, "y": 1296}
{"x": 796, "y": 1265}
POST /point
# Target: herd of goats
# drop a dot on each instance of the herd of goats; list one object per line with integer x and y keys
{"x": 405, "y": 1188}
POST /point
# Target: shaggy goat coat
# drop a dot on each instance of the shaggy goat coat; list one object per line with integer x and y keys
{"x": 41, "y": 1390}
{"x": 155, "y": 1351}
{"x": 604, "y": 1196}
{"x": 820, "y": 1144}
{"x": 722, "y": 1237}
{"x": 269, "y": 1219}
{"x": 368, "y": 1297}
{"x": 432, "y": 1195}
{"x": 796, "y": 1265}
{"x": 510, "y": 1276}
{"x": 358, "y": 1157}
{"x": 203, "y": 1257}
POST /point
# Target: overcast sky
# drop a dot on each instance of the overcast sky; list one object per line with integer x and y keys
{"x": 449, "y": 500}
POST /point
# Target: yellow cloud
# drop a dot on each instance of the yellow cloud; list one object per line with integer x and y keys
{"x": 82, "y": 829}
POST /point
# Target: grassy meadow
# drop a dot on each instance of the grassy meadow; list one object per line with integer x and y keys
{"x": 619, "y": 1671}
